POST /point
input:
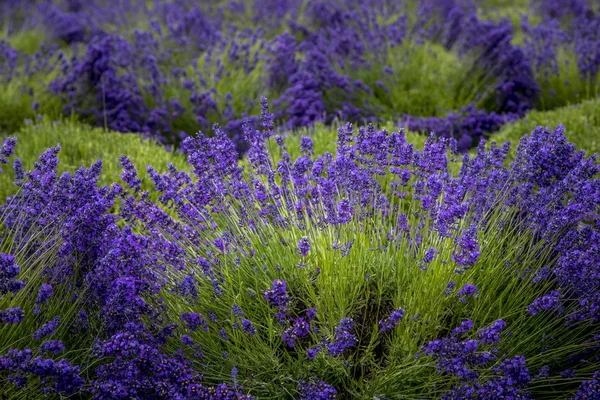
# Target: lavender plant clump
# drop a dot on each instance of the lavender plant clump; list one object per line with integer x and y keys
{"x": 148, "y": 297}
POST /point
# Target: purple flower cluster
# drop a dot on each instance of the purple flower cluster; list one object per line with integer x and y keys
{"x": 303, "y": 247}
{"x": 7, "y": 150}
{"x": 491, "y": 334}
{"x": 8, "y": 272}
{"x": 343, "y": 338}
{"x": 468, "y": 290}
{"x": 468, "y": 126}
{"x": 299, "y": 329}
{"x": 194, "y": 321}
{"x": 44, "y": 294}
{"x": 467, "y": 252}
{"x": 277, "y": 297}
{"x": 317, "y": 390}
{"x": 52, "y": 346}
{"x": 12, "y": 315}
{"x": 463, "y": 358}
{"x": 47, "y": 329}
{"x": 392, "y": 320}
{"x": 58, "y": 377}
{"x": 549, "y": 302}
{"x": 589, "y": 389}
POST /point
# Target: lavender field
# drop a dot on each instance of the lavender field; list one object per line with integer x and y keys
{"x": 300, "y": 199}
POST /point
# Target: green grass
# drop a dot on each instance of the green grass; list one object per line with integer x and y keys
{"x": 581, "y": 121}
{"x": 82, "y": 145}
{"x": 426, "y": 81}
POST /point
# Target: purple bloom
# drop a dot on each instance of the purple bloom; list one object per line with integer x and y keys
{"x": 316, "y": 390}
{"x": 449, "y": 288}
{"x": 299, "y": 329}
{"x": 589, "y": 389}
{"x": 47, "y": 329}
{"x": 303, "y": 247}
{"x": 194, "y": 321}
{"x": 60, "y": 377}
{"x": 223, "y": 334}
{"x": 248, "y": 328}
{"x": 7, "y": 150}
{"x": 467, "y": 252}
{"x": 130, "y": 174}
{"x": 8, "y": 272}
{"x": 491, "y": 334}
{"x": 468, "y": 290}
{"x": 188, "y": 341}
{"x": 52, "y": 346}
{"x": 343, "y": 338}
{"x": 392, "y": 321}
{"x": 306, "y": 145}
{"x": 44, "y": 294}
{"x": 277, "y": 297}
{"x": 12, "y": 315}
{"x": 548, "y": 302}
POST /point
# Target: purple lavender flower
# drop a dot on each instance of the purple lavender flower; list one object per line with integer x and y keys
{"x": 187, "y": 287}
{"x": 299, "y": 329}
{"x": 59, "y": 377}
{"x": 47, "y": 329}
{"x": 194, "y": 321}
{"x": 450, "y": 287}
{"x": 188, "y": 341}
{"x": 44, "y": 294}
{"x": 12, "y": 315}
{"x": 312, "y": 352}
{"x": 343, "y": 339}
{"x": 589, "y": 389}
{"x": 130, "y": 174}
{"x": 7, "y": 150}
{"x": 467, "y": 253}
{"x": 464, "y": 327}
{"x": 277, "y": 297}
{"x": 223, "y": 334}
{"x": 316, "y": 390}
{"x": 303, "y": 246}
{"x": 8, "y": 272}
{"x": 306, "y": 145}
{"x": 551, "y": 301}
{"x": 52, "y": 346}
{"x": 392, "y": 320}
{"x": 491, "y": 334}
{"x": 468, "y": 290}
{"x": 248, "y": 328}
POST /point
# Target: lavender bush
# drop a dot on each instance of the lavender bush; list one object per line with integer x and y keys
{"x": 563, "y": 49}
{"x": 379, "y": 271}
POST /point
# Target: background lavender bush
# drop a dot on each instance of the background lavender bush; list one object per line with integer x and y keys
{"x": 167, "y": 68}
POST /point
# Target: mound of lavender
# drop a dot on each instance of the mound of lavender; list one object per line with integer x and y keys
{"x": 378, "y": 271}
{"x": 188, "y": 65}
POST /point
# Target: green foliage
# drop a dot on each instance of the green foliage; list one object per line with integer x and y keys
{"x": 426, "y": 81}
{"x": 567, "y": 87}
{"x": 581, "y": 121}
{"x": 82, "y": 145}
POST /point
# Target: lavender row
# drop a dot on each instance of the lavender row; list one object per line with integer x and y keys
{"x": 307, "y": 278}
{"x": 183, "y": 66}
